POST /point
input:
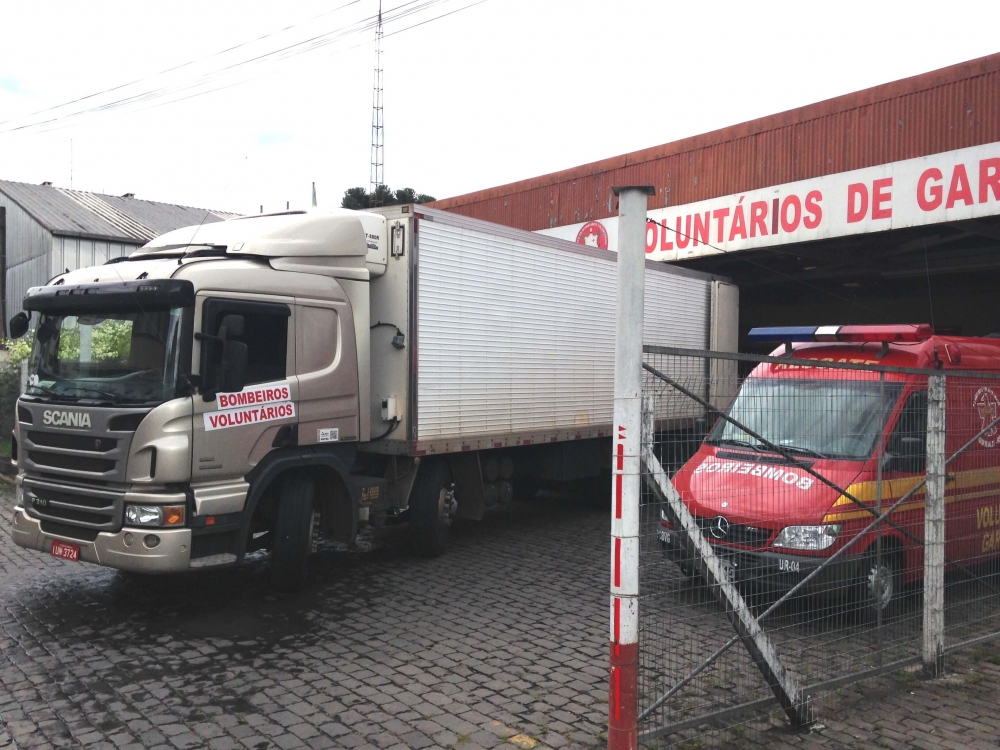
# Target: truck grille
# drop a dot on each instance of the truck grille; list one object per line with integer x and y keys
{"x": 88, "y": 507}
{"x": 73, "y": 463}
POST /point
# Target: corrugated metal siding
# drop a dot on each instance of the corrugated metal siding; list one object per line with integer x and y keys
{"x": 520, "y": 338}
{"x": 21, "y": 278}
{"x": 28, "y": 245}
{"x": 939, "y": 111}
{"x": 71, "y": 253}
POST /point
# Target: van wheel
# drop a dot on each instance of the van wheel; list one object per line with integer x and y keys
{"x": 881, "y": 583}
{"x": 432, "y": 508}
{"x": 293, "y": 531}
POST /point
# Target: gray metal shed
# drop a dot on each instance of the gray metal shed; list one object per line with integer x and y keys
{"x": 45, "y": 230}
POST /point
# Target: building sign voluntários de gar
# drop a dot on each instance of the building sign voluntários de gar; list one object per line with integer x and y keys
{"x": 950, "y": 186}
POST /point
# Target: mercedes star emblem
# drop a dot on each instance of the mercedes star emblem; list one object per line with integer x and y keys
{"x": 719, "y": 527}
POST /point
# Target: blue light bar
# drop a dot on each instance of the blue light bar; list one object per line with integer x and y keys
{"x": 782, "y": 334}
{"x": 843, "y": 334}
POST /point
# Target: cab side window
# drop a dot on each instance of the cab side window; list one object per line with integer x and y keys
{"x": 265, "y": 332}
{"x": 908, "y": 444}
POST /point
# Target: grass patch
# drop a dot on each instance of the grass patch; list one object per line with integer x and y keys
{"x": 463, "y": 739}
{"x": 905, "y": 677}
{"x": 988, "y": 654}
{"x": 5, "y": 447}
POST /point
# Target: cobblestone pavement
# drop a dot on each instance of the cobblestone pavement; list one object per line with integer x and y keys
{"x": 499, "y": 643}
{"x": 504, "y": 637}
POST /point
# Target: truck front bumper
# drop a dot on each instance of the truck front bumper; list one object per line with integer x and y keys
{"x": 126, "y": 549}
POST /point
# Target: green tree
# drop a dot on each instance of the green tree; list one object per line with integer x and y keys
{"x": 112, "y": 341}
{"x": 358, "y": 198}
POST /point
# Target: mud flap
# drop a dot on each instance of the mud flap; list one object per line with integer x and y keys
{"x": 468, "y": 478}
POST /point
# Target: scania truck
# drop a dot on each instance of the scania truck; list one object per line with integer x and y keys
{"x": 259, "y": 383}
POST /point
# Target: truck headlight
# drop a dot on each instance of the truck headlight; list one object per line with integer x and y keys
{"x": 807, "y": 537}
{"x": 154, "y": 515}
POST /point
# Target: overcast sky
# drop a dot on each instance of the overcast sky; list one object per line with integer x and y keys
{"x": 504, "y": 90}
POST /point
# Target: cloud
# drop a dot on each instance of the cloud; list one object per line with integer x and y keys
{"x": 11, "y": 85}
{"x": 263, "y": 139}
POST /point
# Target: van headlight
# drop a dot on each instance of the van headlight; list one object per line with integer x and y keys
{"x": 807, "y": 537}
{"x": 154, "y": 515}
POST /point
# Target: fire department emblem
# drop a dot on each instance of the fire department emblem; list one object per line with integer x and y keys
{"x": 594, "y": 234}
{"x": 988, "y": 407}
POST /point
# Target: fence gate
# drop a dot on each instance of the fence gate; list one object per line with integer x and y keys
{"x": 804, "y": 525}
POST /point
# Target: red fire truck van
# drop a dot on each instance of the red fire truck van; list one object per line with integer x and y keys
{"x": 773, "y": 522}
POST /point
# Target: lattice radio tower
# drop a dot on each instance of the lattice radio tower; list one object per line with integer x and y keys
{"x": 378, "y": 145}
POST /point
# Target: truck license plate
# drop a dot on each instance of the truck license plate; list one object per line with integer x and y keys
{"x": 65, "y": 551}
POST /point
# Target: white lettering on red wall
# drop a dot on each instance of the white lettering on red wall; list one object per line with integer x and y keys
{"x": 950, "y": 186}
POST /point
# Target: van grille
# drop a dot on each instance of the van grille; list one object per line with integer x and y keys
{"x": 735, "y": 533}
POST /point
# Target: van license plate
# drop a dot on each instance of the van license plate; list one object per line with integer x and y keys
{"x": 65, "y": 551}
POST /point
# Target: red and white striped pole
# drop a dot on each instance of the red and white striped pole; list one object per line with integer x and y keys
{"x": 623, "y": 699}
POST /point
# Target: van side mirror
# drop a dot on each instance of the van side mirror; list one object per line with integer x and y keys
{"x": 234, "y": 366}
{"x": 19, "y": 325}
{"x": 906, "y": 455}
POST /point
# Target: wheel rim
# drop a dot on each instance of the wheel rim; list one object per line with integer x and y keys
{"x": 881, "y": 585}
{"x": 444, "y": 505}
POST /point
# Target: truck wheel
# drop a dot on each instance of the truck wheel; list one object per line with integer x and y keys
{"x": 431, "y": 508}
{"x": 293, "y": 533}
{"x": 881, "y": 583}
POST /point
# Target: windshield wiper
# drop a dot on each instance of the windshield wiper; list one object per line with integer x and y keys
{"x": 803, "y": 451}
{"x": 50, "y": 391}
{"x": 98, "y": 391}
{"x": 735, "y": 441}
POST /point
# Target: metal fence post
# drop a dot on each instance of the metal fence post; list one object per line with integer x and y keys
{"x": 934, "y": 529}
{"x": 623, "y": 699}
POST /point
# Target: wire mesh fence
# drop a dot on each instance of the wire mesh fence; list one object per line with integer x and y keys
{"x": 805, "y": 525}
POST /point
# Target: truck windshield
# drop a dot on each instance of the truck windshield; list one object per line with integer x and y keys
{"x": 821, "y": 418}
{"x": 120, "y": 357}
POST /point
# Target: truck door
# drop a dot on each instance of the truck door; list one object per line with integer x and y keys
{"x": 327, "y": 372}
{"x": 233, "y": 432}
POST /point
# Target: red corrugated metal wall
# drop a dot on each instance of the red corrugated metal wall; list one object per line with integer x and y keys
{"x": 939, "y": 111}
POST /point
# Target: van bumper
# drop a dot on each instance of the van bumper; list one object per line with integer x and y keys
{"x": 771, "y": 570}
{"x": 124, "y": 550}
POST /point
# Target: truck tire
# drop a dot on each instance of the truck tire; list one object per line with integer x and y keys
{"x": 430, "y": 514}
{"x": 293, "y": 533}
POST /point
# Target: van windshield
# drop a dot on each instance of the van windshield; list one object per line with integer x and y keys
{"x": 837, "y": 419}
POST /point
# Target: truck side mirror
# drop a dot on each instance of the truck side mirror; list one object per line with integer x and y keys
{"x": 232, "y": 325}
{"x": 19, "y": 325}
{"x": 234, "y": 366}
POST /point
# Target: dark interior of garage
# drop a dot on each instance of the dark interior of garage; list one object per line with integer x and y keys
{"x": 947, "y": 275}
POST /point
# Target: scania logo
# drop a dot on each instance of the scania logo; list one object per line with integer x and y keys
{"x": 66, "y": 418}
{"x": 719, "y": 527}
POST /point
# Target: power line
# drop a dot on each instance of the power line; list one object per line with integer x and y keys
{"x": 280, "y": 54}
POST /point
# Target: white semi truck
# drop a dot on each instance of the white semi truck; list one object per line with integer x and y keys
{"x": 256, "y": 383}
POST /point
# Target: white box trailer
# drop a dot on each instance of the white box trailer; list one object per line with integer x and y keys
{"x": 512, "y": 333}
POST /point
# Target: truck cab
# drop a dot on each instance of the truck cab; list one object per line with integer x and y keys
{"x": 167, "y": 393}
{"x": 864, "y": 430}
